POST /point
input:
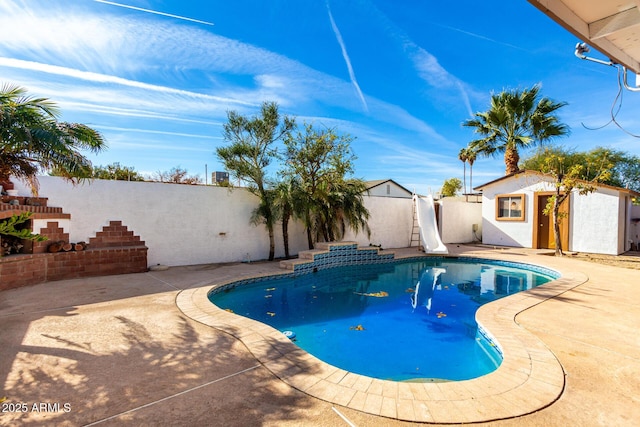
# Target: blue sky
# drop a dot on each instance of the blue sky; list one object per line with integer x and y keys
{"x": 158, "y": 77}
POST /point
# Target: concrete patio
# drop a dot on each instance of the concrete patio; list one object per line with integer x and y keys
{"x": 119, "y": 351}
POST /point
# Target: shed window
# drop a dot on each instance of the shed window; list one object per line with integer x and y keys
{"x": 388, "y": 188}
{"x": 510, "y": 207}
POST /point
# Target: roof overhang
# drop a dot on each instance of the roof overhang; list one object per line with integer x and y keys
{"x": 551, "y": 178}
{"x": 610, "y": 26}
{"x": 375, "y": 183}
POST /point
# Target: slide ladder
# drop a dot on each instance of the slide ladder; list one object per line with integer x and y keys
{"x": 415, "y": 228}
{"x": 429, "y": 235}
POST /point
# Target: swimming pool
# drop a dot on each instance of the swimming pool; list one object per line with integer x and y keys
{"x": 405, "y": 320}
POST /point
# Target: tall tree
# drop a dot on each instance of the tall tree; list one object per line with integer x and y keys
{"x": 516, "y": 120}
{"x": 573, "y": 172}
{"x": 463, "y": 157}
{"x": 450, "y": 187}
{"x": 624, "y": 171}
{"x": 32, "y": 140}
{"x": 471, "y": 158}
{"x": 321, "y": 161}
{"x": 251, "y": 151}
{"x": 287, "y": 201}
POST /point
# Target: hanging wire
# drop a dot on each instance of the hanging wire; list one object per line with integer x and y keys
{"x": 616, "y": 105}
{"x": 620, "y": 87}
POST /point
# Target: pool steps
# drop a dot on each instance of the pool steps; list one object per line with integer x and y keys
{"x": 333, "y": 254}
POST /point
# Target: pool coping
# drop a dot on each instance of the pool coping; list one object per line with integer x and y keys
{"x": 529, "y": 379}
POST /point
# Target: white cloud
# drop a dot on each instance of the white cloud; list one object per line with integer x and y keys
{"x": 112, "y": 51}
{"x": 430, "y": 70}
{"x": 426, "y": 65}
{"x": 103, "y": 78}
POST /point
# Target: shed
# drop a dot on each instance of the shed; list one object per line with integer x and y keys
{"x": 599, "y": 222}
{"x": 387, "y": 188}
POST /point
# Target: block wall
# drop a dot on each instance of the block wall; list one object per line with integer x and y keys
{"x": 114, "y": 250}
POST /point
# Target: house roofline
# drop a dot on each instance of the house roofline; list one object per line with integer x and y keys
{"x": 546, "y": 175}
{"x": 378, "y": 182}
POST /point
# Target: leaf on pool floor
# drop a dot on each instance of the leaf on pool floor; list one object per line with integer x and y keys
{"x": 357, "y": 328}
{"x": 380, "y": 294}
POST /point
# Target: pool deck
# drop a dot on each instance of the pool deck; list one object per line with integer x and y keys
{"x": 147, "y": 349}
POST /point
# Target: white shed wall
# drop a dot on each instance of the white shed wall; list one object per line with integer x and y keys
{"x": 510, "y": 233}
{"x": 595, "y": 225}
{"x": 634, "y": 227}
{"x": 597, "y": 222}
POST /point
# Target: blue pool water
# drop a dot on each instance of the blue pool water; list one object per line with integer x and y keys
{"x": 407, "y": 320}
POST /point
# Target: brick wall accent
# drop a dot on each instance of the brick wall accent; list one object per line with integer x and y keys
{"x": 54, "y": 233}
{"x": 114, "y": 235}
{"x": 114, "y": 250}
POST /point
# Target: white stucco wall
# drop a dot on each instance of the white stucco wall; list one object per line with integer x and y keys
{"x": 457, "y": 218}
{"x": 185, "y": 224}
{"x": 180, "y": 224}
{"x": 390, "y": 223}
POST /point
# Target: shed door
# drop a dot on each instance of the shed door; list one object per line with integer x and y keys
{"x": 545, "y": 238}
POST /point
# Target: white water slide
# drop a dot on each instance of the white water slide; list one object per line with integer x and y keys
{"x": 429, "y": 236}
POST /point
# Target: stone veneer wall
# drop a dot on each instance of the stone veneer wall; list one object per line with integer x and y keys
{"x": 114, "y": 250}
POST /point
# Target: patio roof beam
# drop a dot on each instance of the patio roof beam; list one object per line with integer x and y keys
{"x": 566, "y": 17}
{"x": 614, "y": 23}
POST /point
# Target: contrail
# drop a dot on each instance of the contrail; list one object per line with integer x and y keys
{"x": 478, "y": 36}
{"x": 465, "y": 97}
{"x": 352, "y": 75}
{"x": 184, "y": 18}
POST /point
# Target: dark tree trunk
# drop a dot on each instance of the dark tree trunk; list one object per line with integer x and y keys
{"x": 272, "y": 243}
{"x": 309, "y": 238}
{"x": 285, "y": 233}
{"x": 307, "y": 219}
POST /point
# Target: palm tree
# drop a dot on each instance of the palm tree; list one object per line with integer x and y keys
{"x": 32, "y": 140}
{"x": 516, "y": 119}
{"x": 287, "y": 203}
{"x": 463, "y": 156}
{"x": 352, "y": 212}
{"x": 471, "y": 158}
{"x": 341, "y": 206}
